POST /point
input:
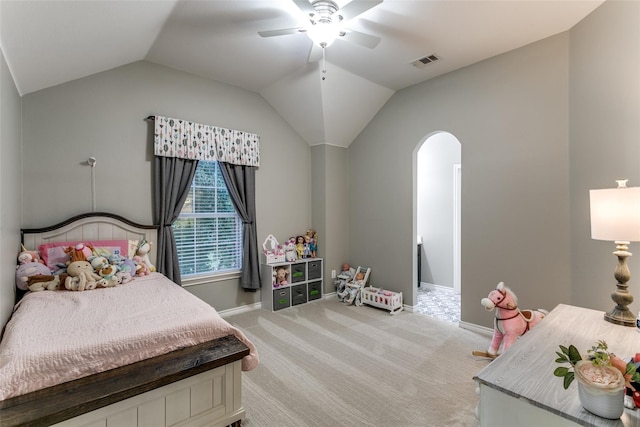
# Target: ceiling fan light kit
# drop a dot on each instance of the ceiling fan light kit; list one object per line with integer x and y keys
{"x": 325, "y": 18}
{"x": 324, "y": 28}
{"x": 323, "y": 35}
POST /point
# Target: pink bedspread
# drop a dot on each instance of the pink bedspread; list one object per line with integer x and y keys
{"x": 58, "y": 336}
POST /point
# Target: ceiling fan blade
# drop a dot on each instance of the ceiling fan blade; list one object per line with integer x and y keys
{"x": 357, "y": 7}
{"x": 315, "y": 53}
{"x": 366, "y": 40}
{"x": 282, "y": 32}
{"x": 305, "y": 7}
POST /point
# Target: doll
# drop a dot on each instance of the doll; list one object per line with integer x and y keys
{"x": 313, "y": 242}
{"x": 307, "y": 247}
{"x": 300, "y": 246}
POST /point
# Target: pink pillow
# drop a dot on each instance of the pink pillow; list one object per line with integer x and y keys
{"x": 53, "y": 253}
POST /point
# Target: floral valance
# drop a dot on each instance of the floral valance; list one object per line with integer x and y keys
{"x": 189, "y": 140}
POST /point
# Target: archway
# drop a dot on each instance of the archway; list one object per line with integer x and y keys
{"x": 437, "y": 212}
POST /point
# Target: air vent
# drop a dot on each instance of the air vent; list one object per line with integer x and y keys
{"x": 419, "y": 63}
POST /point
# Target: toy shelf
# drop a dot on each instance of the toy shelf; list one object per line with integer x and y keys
{"x": 378, "y": 297}
{"x": 303, "y": 283}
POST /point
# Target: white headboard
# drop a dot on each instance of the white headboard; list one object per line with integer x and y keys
{"x": 91, "y": 226}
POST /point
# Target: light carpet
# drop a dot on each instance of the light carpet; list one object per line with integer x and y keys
{"x": 328, "y": 364}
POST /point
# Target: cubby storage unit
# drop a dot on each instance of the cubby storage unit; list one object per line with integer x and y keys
{"x": 304, "y": 283}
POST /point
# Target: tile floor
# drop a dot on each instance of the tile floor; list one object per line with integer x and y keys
{"x": 440, "y": 303}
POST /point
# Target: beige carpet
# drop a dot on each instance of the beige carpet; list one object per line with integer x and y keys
{"x": 328, "y": 364}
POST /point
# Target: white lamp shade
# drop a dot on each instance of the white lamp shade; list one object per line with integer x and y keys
{"x": 615, "y": 214}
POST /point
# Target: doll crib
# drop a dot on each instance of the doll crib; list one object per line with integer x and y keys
{"x": 378, "y": 297}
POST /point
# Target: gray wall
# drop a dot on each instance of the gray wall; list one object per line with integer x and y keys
{"x": 435, "y": 213}
{"x": 330, "y": 207}
{"x": 605, "y": 140}
{"x": 103, "y": 116}
{"x": 538, "y": 127}
{"x": 10, "y": 187}
{"x": 510, "y": 114}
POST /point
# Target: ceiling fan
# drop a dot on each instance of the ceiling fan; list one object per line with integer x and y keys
{"x": 326, "y": 21}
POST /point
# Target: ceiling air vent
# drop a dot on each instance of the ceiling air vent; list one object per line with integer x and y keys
{"x": 419, "y": 63}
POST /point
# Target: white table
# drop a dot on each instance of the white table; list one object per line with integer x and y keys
{"x": 519, "y": 388}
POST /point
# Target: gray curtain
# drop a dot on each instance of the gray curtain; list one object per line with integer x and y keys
{"x": 241, "y": 183}
{"x": 172, "y": 179}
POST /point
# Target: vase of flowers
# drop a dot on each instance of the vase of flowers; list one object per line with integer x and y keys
{"x": 602, "y": 377}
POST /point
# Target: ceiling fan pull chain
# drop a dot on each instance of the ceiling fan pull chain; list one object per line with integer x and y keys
{"x": 324, "y": 64}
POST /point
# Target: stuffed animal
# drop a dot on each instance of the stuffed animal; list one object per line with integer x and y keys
{"x": 26, "y": 256}
{"x": 290, "y": 252}
{"x": 29, "y": 269}
{"x": 124, "y": 277}
{"x": 79, "y": 252}
{"x": 510, "y": 322}
{"x": 142, "y": 269}
{"x": 46, "y": 282}
{"x": 108, "y": 275}
{"x": 281, "y": 276}
{"x": 98, "y": 261}
{"x": 81, "y": 276}
{"x": 143, "y": 250}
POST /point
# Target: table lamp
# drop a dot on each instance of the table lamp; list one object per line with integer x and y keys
{"x": 615, "y": 216}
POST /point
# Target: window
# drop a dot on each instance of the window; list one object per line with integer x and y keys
{"x": 208, "y": 231}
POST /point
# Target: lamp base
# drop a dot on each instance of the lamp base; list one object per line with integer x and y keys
{"x": 620, "y": 316}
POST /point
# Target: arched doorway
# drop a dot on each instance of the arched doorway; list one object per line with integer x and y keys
{"x": 437, "y": 216}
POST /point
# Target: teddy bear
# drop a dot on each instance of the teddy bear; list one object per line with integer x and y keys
{"x": 108, "y": 275}
{"x": 281, "y": 275}
{"x": 144, "y": 247}
{"x": 81, "y": 276}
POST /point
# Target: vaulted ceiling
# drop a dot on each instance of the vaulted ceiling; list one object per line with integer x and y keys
{"x": 47, "y": 43}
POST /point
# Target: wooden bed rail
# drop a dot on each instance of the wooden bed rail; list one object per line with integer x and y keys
{"x": 61, "y": 402}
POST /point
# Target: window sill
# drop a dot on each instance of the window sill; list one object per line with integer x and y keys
{"x": 201, "y": 280}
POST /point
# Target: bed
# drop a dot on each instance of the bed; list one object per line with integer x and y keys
{"x": 144, "y": 353}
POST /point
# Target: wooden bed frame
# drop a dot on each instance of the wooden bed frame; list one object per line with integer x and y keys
{"x": 198, "y": 385}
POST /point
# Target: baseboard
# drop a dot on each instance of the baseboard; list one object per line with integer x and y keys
{"x": 257, "y": 306}
{"x": 407, "y": 308}
{"x": 436, "y": 287}
{"x": 476, "y": 328}
{"x": 241, "y": 309}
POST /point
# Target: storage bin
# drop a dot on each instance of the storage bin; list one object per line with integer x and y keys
{"x": 298, "y": 294}
{"x": 281, "y": 298}
{"x": 314, "y": 290}
{"x": 299, "y": 272}
{"x": 315, "y": 269}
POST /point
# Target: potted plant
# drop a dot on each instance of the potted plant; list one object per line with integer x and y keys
{"x": 601, "y": 376}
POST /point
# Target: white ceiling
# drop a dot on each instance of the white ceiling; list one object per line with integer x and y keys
{"x": 50, "y": 42}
